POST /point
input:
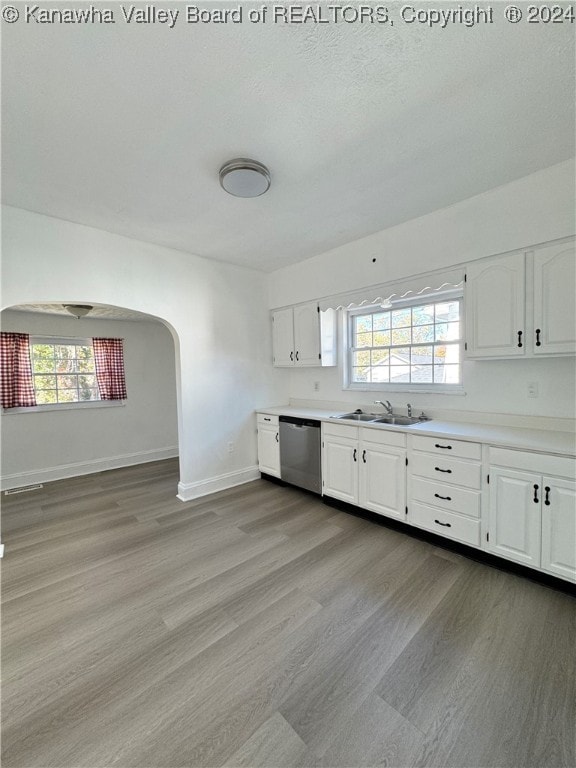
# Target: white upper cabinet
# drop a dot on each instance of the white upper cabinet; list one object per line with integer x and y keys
{"x": 522, "y": 304}
{"x": 555, "y": 300}
{"x": 283, "y": 337}
{"x": 495, "y": 300}
{"x": 304, "y": 336}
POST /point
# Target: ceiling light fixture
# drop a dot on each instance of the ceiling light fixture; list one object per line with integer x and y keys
{"x": 78, "y": 310}
{"x": 244, "y": 178}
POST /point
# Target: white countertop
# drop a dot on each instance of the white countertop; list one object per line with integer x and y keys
{"x": 540, "y": 440}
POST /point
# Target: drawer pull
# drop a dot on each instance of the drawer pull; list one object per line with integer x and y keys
{"x": 443, "y": 470}
{"x": 446, "y": 498}
{"x": 354, "y": 454}
{"x": 447, "y": 447}
{"x": 277, "y": 440}
{"x": 364, "y": 456}
{"x": 536, "y": 499}
{"x": 265, "y": 419}
{"x": 446, "y": 525}
{"x": 547, "y": 497}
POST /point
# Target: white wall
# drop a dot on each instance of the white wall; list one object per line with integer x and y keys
{"x": 217, "y": 313}
{"x": 40, "y": 446}
{"x": 532, "y": 210}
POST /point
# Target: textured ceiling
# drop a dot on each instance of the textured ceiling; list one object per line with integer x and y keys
{"x": 97, "y": 313}
{"x": 124, "y": 127}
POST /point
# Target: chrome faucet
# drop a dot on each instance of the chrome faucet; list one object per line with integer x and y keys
{"x": 409, "y": 409}
{"x": 387, "y": 405}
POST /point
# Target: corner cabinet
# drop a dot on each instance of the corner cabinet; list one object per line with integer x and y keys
{"x": 522, "y": 304}
{"x": 268, "y": 444}
{"x": 365, "y": 467}
{"x": 304, "y": 336}
{"x": 532, "y": 517}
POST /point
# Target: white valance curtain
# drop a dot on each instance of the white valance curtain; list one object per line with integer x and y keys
{"x": 432, "y": 284}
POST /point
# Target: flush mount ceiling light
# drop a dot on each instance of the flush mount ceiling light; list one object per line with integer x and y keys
{"x": 78, "y": 310}
{"x": 244, "y": 178}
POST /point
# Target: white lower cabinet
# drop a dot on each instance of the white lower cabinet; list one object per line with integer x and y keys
{"x": 532, "y": 517}
{"x": 559, "y": 527}
{"x": 383, "y": 480}
{"x": 514, "y": 523}
{"x": 444, "y": 482}
{"x": 268, "y": 445}
{"x": 365, "y": 467}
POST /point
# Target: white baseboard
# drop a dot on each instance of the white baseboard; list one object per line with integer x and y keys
{"x": 189, "y": 491}
{"x": 49, "y": 474}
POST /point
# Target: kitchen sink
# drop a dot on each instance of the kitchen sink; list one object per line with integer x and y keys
{"x": 359, "y": 416}
{"x": 375, "y": 418}
{"x": 403, "y": 421}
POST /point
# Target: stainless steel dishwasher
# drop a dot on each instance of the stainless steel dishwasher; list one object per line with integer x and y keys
{"x": 300, "y": 453}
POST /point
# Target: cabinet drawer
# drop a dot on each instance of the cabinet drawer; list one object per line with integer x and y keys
{"x": 445, "y": 470}
{"x": 446, "y": 496}
{"x": 383, "y": 437}
{"x": 447, "y": 524}
{"x": 339, "y": 430}
{"x": 265, "y": 418}
{"x": 442, "y": 446}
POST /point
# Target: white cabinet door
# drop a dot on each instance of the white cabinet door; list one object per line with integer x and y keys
{"x": 383, "y": 480}
{"x": 283, "y": 337}
{"x": 559, "y": 527}
{"x": 306, "y": 335}
{"x": 554, "y": 300}
{"x": 515, "y": 517}
{"x": 268, "y": 450}
{"x": 340, "y": 468}
{"x": 495, "y": 298}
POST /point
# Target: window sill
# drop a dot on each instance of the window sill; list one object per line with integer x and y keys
{"x": 66, "y": 406}
{"x": 458, "y": 391}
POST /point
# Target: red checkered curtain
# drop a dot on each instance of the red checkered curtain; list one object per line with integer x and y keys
{"x": 109, "y": 363}
{"x": 16, "y": 384}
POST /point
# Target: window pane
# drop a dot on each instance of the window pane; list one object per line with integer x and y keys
{"x": 381, "y": 339}
{"x": 423, "y": 315}
{"x": 65, "y": 351}
{"x": 86, "y": 382}
{"x": 361, "y": 358}
{"x": 65, "y": 366}
{"x": 400, "y": 356}
{"x": 448, "y": 310}
{"x": 381, "y": 374}
{"x": 422, "y": 333}
{"x": 67, "y": 382}
{"x": 68, "y": 396}
{"x": 85, "y": 365}
{"x": 446, "y": 374}
{"x": 363, "y": 323}
{"x": 399, "y": 375}
{"x": 421, "y": 374}
{"x": 42, "y": 365}
{"x": 45, "y": 382}
{"x": 43, "y": 351}
{"x": 401, "y": 318}
{"x": 363, "y": 340}
{"x": 439, "y": 354}
{"x": 360, "y": 374}
{"x": 89, "y": 394}
{"x": 380, "y": 356}
{"x": 382, "y": 321}
{"x": 401, "y": 336}
{"x": 421, "y": 355}
{"x": 45, "y": 397}
{"x": 85, "y": 353}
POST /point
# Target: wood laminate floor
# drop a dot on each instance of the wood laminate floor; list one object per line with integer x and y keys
{"x": 259, "y": 627}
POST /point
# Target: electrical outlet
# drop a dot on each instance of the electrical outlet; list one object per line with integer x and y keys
{"x": 316, "y": 386}
{"x": 532, "y": 389}
{"x": 230, "y": 447}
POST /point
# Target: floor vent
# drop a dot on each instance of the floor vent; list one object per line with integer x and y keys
{"x": 24, "y": 489}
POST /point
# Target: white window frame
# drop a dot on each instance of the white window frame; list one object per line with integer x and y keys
{"x": 412, "y": 387}
{"x": 79, "y": 405}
